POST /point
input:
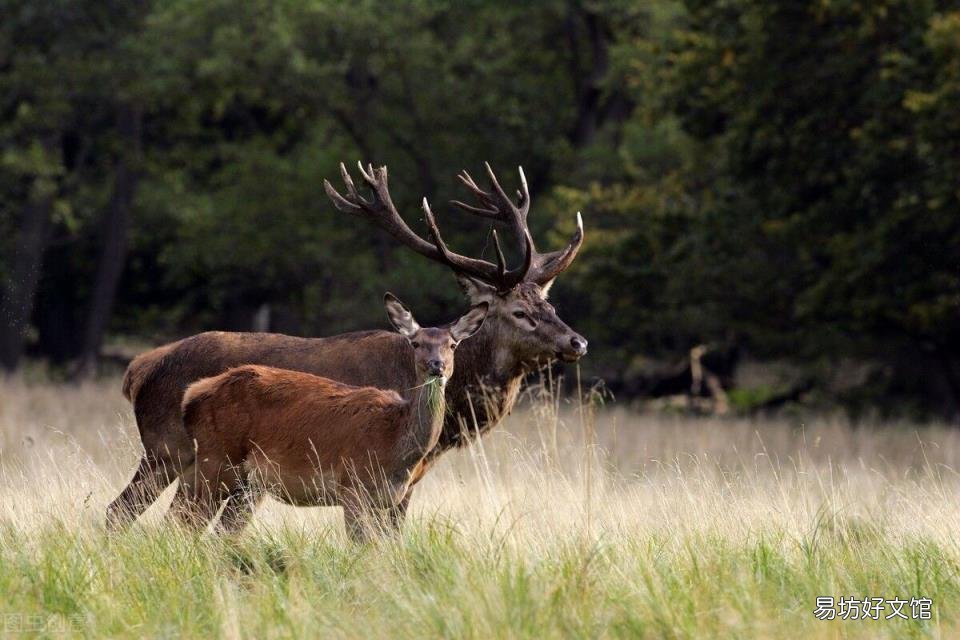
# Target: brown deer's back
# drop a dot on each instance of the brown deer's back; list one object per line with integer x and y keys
{"x": 292, "y": 418}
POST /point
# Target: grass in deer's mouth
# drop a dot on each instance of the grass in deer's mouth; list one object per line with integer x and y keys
{"x": 685, "y": 528}
{"x": 434, "y": 389}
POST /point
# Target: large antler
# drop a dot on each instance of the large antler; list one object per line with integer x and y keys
{"x": 381, "y": 210}
{"x": 496, "y": 205}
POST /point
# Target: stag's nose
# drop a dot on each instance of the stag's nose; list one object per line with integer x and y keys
{"x": 579, "y": 345}
{"x": 435, "y": 367}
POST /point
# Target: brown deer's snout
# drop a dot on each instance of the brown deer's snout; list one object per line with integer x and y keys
{"x": 435, "y": 367}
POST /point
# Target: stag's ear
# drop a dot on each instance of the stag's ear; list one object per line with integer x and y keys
{"x": 400, "y": 316}
{"x": 470, "y": 322}
{"x": 475, "y": 290}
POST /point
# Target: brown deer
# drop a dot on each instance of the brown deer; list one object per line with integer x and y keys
{"x": 312, "y": 441}
{"x": 521, "y": 333}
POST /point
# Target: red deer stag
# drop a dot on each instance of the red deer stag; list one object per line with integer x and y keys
{"x": 522, "y": 332}
{"x": 313, "y": 441}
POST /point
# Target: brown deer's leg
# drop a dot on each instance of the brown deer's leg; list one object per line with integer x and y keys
{"x": 241, "y": 503}
{"x": 202, "y": 490}
{"x": 194, "y": 506}
{"x": 397, "y": 514}
{"x": 188, "y": 506}
{"x": 358, "y": 516}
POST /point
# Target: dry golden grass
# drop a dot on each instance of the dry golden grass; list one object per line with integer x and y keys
{"x": 566, "y": 521}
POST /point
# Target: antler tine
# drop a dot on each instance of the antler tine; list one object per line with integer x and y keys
{"x": 476, "y": 268}
{"x": 379, "y": 209}
{"x": 496, "y": 204}
{"x": 339, "y": 201}
{"x": 510, "y": 279}
{"x": 521, "y": 273}
{"x": 435, "y": 234}
{"x": 488, "y": 211}
{"x": 468, "y": 180}
{"x": 366, "y": 173}
{"x": 523, "y": 194}
{"x": 498, "y": 275}
{"x": 501, "y": 260}
{"x": 518, "y": 210}
{"x": 485, "y": 213}
{"x": 548, "y": 265}
{"x": 496, "y": 183}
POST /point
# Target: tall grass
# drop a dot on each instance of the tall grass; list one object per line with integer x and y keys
{"x": 567, "y": 521}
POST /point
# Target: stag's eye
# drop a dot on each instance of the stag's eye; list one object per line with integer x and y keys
{"x": 519, "y": 314}
{"x": 415, "y": 344}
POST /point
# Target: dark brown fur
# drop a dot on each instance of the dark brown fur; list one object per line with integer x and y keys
{"x": 140, "y": 368}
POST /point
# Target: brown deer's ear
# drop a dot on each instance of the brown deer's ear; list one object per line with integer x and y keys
{"x": 470, "y": 322}
{"x": 475, "y": 290}
{"x": 400, "y": 316}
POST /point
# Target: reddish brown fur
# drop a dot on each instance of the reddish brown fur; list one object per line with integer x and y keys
{"x": 309, "y": 440}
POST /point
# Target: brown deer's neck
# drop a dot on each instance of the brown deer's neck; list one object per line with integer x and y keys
{"x": 426, "y": 409}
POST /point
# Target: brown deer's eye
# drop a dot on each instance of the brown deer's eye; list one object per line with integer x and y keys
{"x": 519, "y": 314}
{"x": 415, "y": 344}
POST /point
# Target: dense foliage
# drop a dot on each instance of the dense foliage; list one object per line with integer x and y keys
{"x": 779, "y": 176}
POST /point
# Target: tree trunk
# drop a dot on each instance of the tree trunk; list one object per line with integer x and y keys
{"x": 116, "y": 225}
{"x": 16, "y": 306}
{"x": 948, "y": 364}
{"x": 586, "y": 29}
{"x": 586, "y": 76}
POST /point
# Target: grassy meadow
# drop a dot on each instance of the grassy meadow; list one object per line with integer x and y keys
{"x": 568, "y": 521}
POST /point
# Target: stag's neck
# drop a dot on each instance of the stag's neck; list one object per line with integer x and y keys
{"x": 426, "y": 407}
{"x": 483, "y": 389}
{"x": 487, "y": 359}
